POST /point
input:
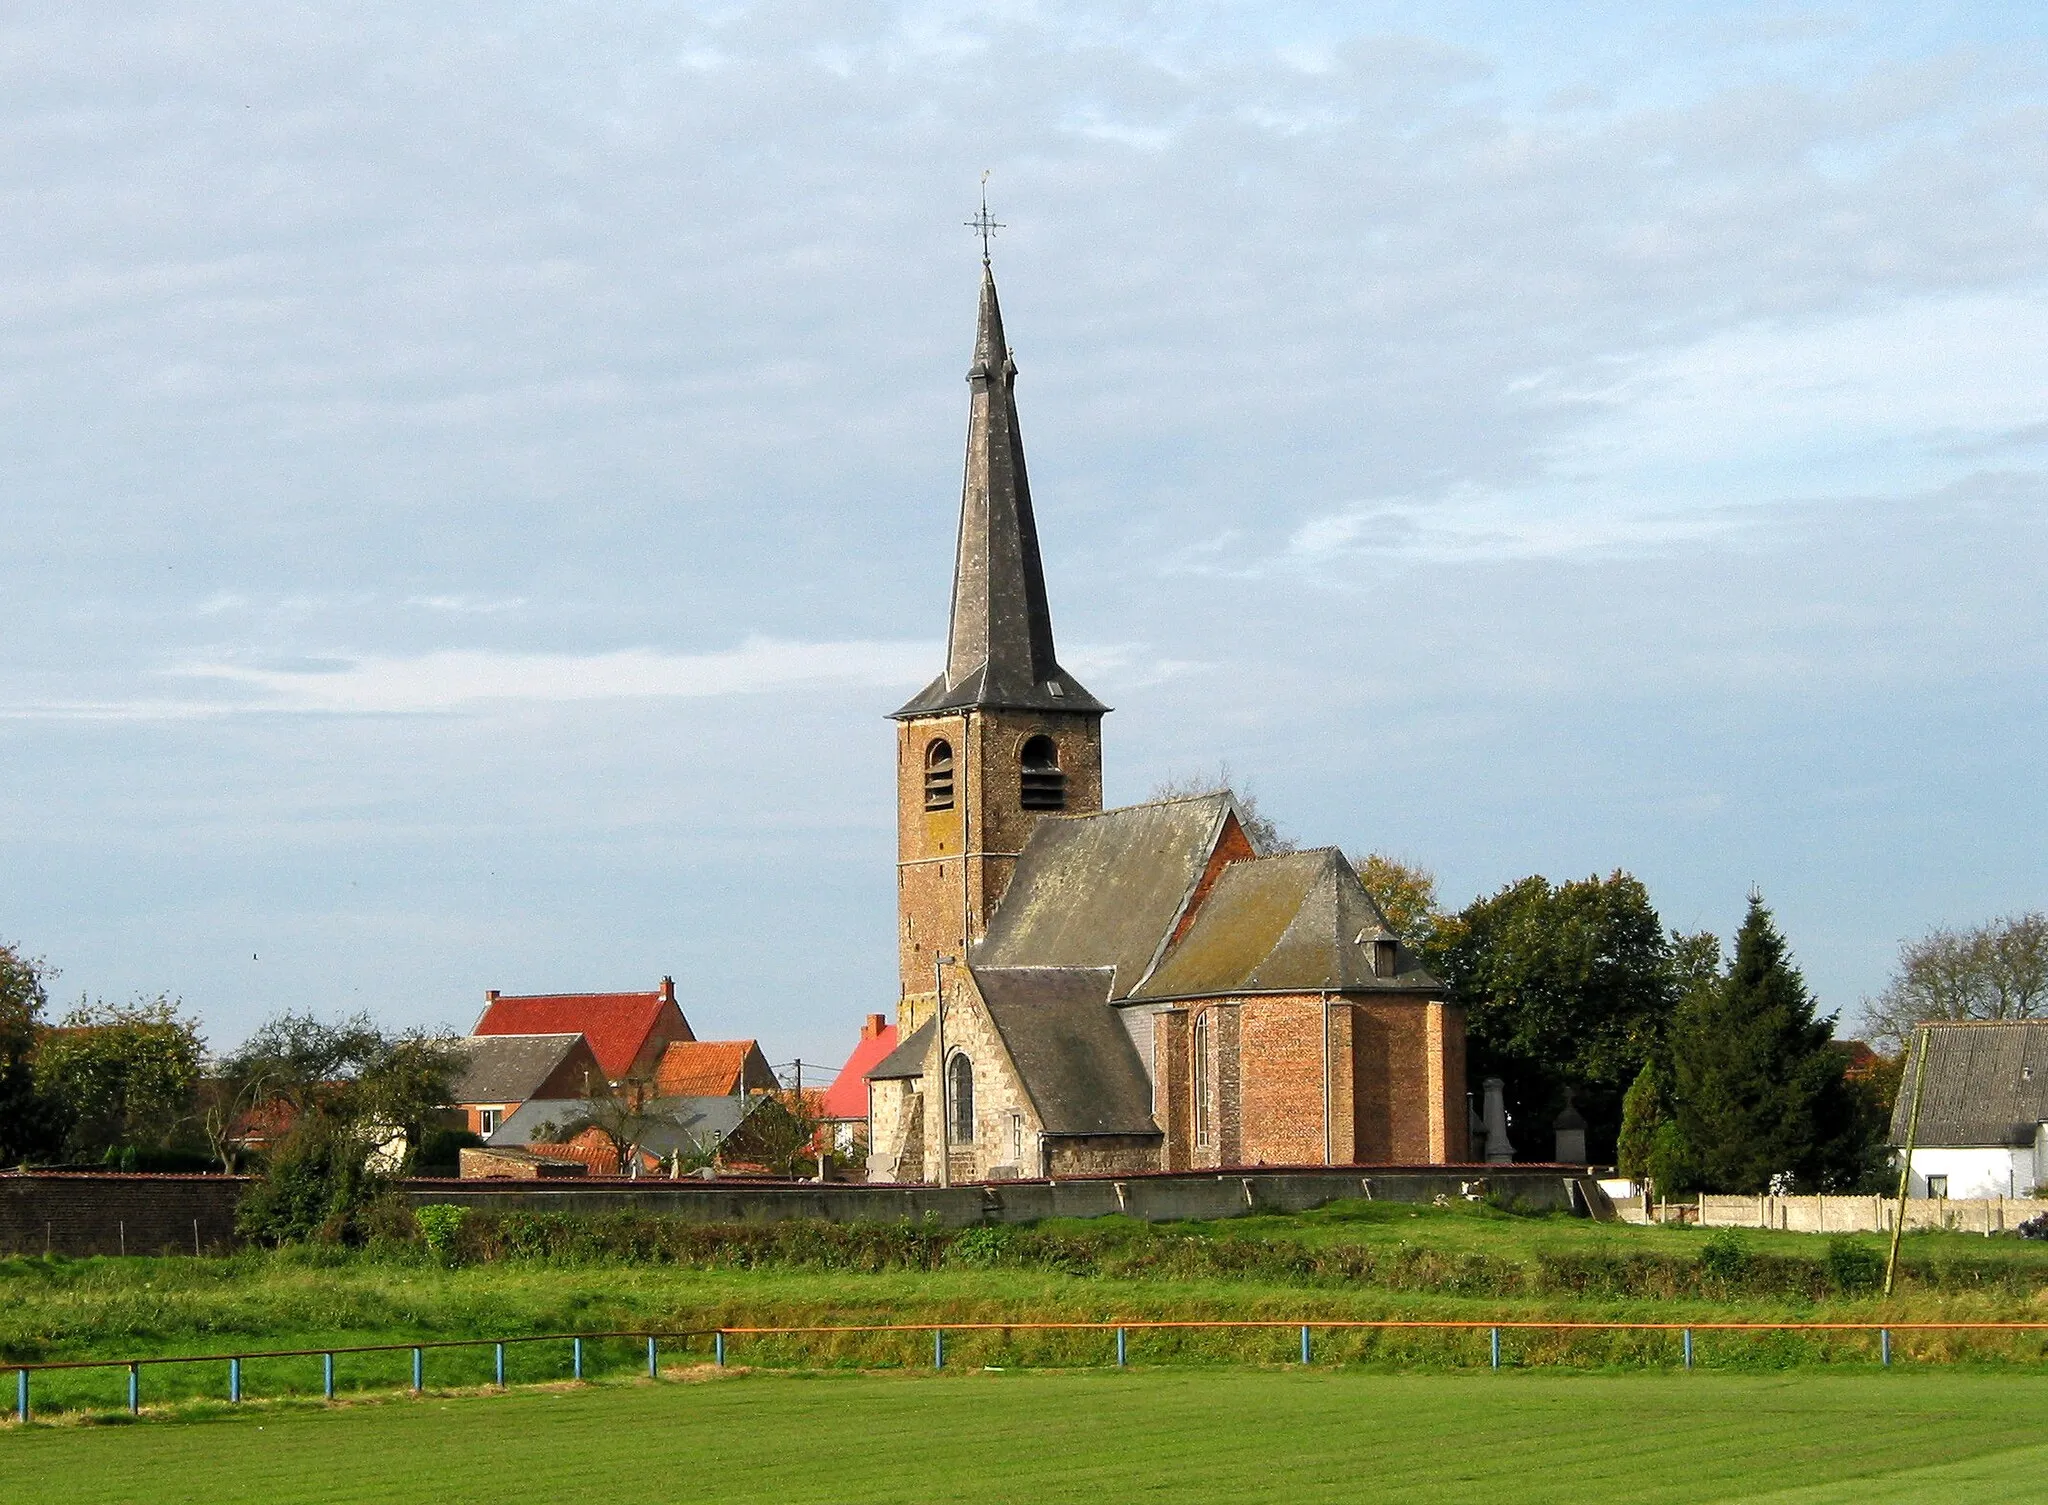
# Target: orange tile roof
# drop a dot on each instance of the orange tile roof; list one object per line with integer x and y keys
{"x": 616, "y": 1024}
{"x": 702, "y": 1068}
{"x": 847, "y": 1097}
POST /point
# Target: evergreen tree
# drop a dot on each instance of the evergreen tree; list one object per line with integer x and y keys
{"x": 1642, "y": 1111}
{"x": 1758, "y": 1091}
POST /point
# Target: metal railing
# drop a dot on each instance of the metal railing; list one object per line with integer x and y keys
{"x": 723, "y": 1338}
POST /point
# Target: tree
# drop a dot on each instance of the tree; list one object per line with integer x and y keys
{"x": 31, "y": 1126}
{"x": 1563, "y": 987}
{"x": 1404, "y": 891}
{"x": 1997, "y": 970}
{"x": 1758, "y": 1091}
{"x": 126, "y": 1075}
{"x": 1260, "y": 829}
{"x": 627, "y": 1114}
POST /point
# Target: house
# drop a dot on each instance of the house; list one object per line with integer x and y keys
{"x": 843, "y": 1108}
{"x": 500, "y": 1072}
{"x": 713, "y": 1068}
{"x": 627, "y": 1031}
{"x": 1089, "y": 990}
{"x": 1983, "y": 1122}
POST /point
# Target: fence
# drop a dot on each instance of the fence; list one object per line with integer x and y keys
{"x": 1825, "y": 1214}
{"x": 1877, "y": 1339}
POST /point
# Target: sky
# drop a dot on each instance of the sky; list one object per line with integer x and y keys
{"x": 476, "y": 477}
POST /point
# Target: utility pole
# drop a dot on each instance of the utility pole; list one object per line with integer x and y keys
{"x": 939, "y": 964}
{"x": 1891, "y": 1265}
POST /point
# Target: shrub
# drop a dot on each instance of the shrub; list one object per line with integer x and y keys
{"x": 317, "y": 1185}
{"x": 1725, "y": 1257}
{"x": 438, "y": 1225}
{"x": 1853, "y": 1267}
{"x": 981, "y": 1247}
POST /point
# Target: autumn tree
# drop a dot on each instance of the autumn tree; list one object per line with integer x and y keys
{"x": 1405, "y": 892}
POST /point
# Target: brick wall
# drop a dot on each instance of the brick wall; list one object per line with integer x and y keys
{"x": 84, "y": 1213}
{"x": 1280, "y": 1044}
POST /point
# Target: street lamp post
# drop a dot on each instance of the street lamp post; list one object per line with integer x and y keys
{"x": 939, "y": 964}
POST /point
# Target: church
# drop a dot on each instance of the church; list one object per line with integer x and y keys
{"x": 1090, "y": 991}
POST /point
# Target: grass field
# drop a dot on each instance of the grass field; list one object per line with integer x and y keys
{"x": 1225, "y": 1434}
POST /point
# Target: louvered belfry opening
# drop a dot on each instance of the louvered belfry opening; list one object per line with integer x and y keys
{"x": 1044, "y": 786}
{"x": 938, "y": 775}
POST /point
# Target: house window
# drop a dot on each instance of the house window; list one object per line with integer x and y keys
{"x": 1200, "y": 1073}
{"x": 938, "y": 774}
{"x": 1042, "y": 785}
{"x": 488, "y": 1119}
{"x": 1937, "y": 1186}
{"x": 960, "y": 1089}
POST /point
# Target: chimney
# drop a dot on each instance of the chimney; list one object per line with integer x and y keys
{"x": 490, "y": 995}
{"x": 875, "y": 1025}
{"x": 668, "y": 990}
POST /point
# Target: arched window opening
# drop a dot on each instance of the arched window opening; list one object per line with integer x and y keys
{"x": 960, "y": 1104}
{"x": 1200, "y": 1073}
{"x": 938, "y": 775}
{"x": 1044, "y": 786}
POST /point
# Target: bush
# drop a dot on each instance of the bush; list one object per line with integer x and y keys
{"x": 982, "y": 1247}
{"x": 317, "y": 1185}
{"x": 441, "y": 1150}
{"x": 1725, "y": 1257}
{"x": 438, "y": 1225}
{"x": 1853, "y": 1267}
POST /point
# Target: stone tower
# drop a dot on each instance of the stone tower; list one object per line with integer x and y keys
{"x": 1004, "y": 735}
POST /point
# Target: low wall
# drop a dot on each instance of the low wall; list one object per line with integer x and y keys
{"x": 57, "y": 1212}
{"x": 1152, "y": 1198}
{"x": 1819, "y": 1214}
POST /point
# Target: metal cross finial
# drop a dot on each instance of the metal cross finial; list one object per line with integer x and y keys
{"x": 983, "y": 222}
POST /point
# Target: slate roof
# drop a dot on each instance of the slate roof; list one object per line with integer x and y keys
{"x": 1104, "y": 890}
{"x": 616, "y": 1024}
{"x": 907, "y": 1059}
{"x": 1986, "y": 1084}
{"x": 999, "y": 650}
{"x": 1069, "y": 1047}
{"x": 1299, "y": 922}
{"x": 508, "y": 1068}
{"x": 700, "y": 1122}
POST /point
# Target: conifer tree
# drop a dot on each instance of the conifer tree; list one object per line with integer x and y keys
{"x": 1642, "y": 1110}
{"x": 1758, "y": 1092}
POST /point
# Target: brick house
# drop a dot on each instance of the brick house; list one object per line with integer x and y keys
{"x": 499, "y": 1073}
{"x": 1136, "y": 989}
{"x": 628, "y": 1032}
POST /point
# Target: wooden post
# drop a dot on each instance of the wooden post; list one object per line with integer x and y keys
{"x": 1891, "y": 1264}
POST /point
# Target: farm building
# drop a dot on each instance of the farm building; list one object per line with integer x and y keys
{"x": 1983, "y": 1122}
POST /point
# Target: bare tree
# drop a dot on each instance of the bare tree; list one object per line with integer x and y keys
{"x": 1264, "y": 832}
{"x": 1997, "y": 970}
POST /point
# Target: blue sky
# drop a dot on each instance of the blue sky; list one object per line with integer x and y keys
{"x": 476, "y": 476}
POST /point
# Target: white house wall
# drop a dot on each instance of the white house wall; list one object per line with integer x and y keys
{"x": 1975, "y": 1171}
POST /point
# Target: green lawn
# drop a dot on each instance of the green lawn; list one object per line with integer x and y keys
{"x": 1223, "y": 1434}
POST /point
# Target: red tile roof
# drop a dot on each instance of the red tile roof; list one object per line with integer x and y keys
{"x": 702, "y": 1068}
{"x": 616, "y": 1024}
{"x": 847, "y": 1097}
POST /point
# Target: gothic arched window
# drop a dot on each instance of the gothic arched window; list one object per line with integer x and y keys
{"x": 1043, "y": 786}
{"x": 938, "y": 774}
{"x": 1200, "y": 1073}
{"x": 960, "y": 1100}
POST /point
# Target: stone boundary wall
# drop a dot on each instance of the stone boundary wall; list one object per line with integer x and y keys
{"x": 79, "y": 1213}
{"x": 1819, "y": 1214}
{"x": 1153, "y": 1198}
{"x": 88, "y": 1213}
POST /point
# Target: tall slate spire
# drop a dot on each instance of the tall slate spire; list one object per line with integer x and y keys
{"x": 999, "y": 650}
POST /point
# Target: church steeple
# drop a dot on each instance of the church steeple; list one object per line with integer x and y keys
{"x": 999, "y": 649}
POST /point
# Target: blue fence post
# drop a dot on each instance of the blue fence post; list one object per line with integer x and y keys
{"x": 1496, "y": 1348}
{"x": 134, "y": 1389}
{"x": 1688, "y": 1348}
{"x": 718, "y": 1348}
{"x": 938, "y": 1348}
{"x": 1120, "y": 1355}
{"x": 1304, "y": 1342}
{"x": 501, "y": 1366}
{"x": 21, "y": 1395}
{"x": 418, "y": 1371}
{"x": 235, "y": 1380}
{"x": 576, "y": 1355}
{"x": 653, "y": 1373}
{"x": 327, "y": 1375}
{"x": 1884, "y": 1346}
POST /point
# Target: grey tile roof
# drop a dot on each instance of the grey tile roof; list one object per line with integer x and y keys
{"x": 1986, "y": 1084}
{"x": 1075, "y": 1058}
{"x": 695, "y": 1124}
{"x": 1104, "y": 890}
{"x": 999, "y": 651}
{"x": 1300, "y": 922}
{"x": 507, "y": 1068}
{"x": 907, "y": 1059}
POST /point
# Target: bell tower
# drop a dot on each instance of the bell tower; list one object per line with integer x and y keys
{"x": 1005, "y": 735}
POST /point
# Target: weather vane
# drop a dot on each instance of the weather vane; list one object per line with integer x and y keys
{"x": 983, "y": 222}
